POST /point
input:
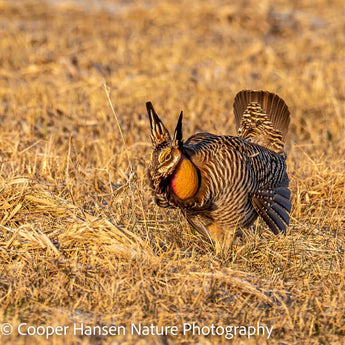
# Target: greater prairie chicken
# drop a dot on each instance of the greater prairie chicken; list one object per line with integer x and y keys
{"x": 223, "y": 183}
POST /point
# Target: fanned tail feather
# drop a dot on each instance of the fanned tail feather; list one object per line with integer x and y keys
{"x": 274, "y": 106}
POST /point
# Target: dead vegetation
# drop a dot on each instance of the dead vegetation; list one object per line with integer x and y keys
{"x": 80, "y": 237}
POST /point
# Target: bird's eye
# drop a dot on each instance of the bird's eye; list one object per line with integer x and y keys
{"x": 166, "y": 155}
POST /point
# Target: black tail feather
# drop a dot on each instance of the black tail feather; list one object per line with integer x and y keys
{"x": 273, "y": 206}
{"x": 262, "y": 211}
{"x": 283, "y": 201}
{"x": 282, "y": 213}
{"x": 283, "y": 191}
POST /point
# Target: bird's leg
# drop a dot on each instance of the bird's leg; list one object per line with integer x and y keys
{"x": 223, "y": 238}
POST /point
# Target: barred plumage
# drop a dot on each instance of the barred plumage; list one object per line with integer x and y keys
{"x": 223, "y": 183}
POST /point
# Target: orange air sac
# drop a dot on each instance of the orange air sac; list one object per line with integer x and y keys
{"x": 185, "y": 181}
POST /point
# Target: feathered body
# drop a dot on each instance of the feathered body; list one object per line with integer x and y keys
{"x": 223, "y": 183}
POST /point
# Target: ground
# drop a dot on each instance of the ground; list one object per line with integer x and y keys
{"x": 81, "y": 240}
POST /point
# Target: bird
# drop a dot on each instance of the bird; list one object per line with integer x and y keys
{"x": 223, "y": 183}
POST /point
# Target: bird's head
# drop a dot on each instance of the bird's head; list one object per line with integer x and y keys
{"x": 167, "y": 152}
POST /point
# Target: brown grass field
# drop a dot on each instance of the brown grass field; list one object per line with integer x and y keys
{"x": 81, "y": 240}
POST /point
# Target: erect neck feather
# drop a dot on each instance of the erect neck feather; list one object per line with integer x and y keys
{"x": 185, "y": 180}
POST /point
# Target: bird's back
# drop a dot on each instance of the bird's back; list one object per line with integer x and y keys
{"x": 245, "y": 176}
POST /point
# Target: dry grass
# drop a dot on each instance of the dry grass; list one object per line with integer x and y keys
{"x": 81, "y": 239}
